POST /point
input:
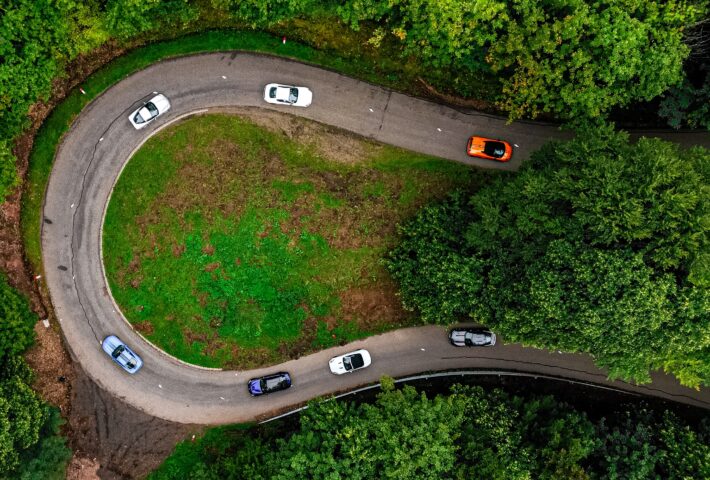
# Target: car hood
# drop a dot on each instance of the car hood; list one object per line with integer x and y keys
{"x": 336, "y": 365}
{"x": 255, "y": 386}
{"x": 305, "y": 97}
{"x": 161, "y": 102}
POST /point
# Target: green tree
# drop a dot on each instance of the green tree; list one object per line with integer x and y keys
{"x": 36, "y": 38}
{"x": 8, "y": 172}
{"x": 48, "y": 458}
{"x": 685, "y": 452}
{"x": 22, "y": 413}
{"x": 265, "y": 12}
{"x": 128, "y": 18}
{"x": 596, "y": 245}
{"x": 16, "y": 322}
{"x": 403, "y": 435}
{"x": 627, "y": 449}
{"x": 687, "y": 105}
{"x": 573, "y": 58}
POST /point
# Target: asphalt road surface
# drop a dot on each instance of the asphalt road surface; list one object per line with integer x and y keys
{"x": 101, "y": 141}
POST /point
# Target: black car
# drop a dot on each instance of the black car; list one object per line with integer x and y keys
{"x": 472, "y": 337}
{"x": 269, "y": 384}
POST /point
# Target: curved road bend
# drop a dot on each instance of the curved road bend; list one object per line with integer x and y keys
{"x": 101, "y": 141}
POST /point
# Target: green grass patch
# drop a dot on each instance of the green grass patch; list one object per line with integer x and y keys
{"x": 231, "y": 245}
{"x": 338, "y": 48}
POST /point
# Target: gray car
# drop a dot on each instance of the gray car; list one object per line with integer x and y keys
{"x": 472, "y": 337}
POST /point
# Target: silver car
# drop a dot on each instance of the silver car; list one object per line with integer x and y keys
{"x": 121, "y": 354}
{"x": 472, "y": 337}
{"x": 149, "y": 111}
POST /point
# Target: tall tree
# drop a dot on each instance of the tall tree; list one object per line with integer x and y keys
{"x": 596, "y": 245}
{"x": 573, "y": 58}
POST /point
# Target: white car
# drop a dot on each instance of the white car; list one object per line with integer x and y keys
{"x": 350, "y": 362}
{"x": 288, "y": 95}
{"x": 149, "y": 111}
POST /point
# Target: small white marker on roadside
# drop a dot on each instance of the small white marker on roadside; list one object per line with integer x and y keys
{"x": 71, "y": 206}
{"x": 221, "y": 398}
{"x": 101, "y": 139}
{"x": 516, "y": 145}
{"x": 438, "y": 129}
{"x": 73, "y": 277}
{"x": 45, "y": 322}
{"x": 423, "y": 350}
{"x": 155, "y": 92}
{"x": 224, "y": 77}
{"x": 160, "y": 386}
{"x": 371, "y": 109}
{"x": 236, "y": 374}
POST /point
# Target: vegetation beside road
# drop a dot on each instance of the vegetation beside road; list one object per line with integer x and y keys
{"x": 596, "y": 245}
{"x": 470, "y": 433}
{"x": 230, "y": 245}
{"x": 30, "y": 447}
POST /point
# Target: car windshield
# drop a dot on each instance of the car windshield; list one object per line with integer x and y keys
{"x": 353, "y": 361}
{"x": 118, "y": 351}
{"x": 152, "y": 109}
{"x": 272, "y": 92}
{"x": 494, "y": 149}
{"x": 293, "y": 95}
{"x": 271, "y": 383}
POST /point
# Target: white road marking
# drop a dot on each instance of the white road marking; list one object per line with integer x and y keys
{"x": 371, "y": 110}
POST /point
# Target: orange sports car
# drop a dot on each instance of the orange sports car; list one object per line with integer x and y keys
{"x": 489, "y": 149}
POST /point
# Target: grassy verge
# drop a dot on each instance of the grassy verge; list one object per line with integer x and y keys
{"x": 343, "y": 54}
{"x": 229, "y": 244}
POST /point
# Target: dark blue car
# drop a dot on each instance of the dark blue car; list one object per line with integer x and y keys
{"x": 269, "y": 384}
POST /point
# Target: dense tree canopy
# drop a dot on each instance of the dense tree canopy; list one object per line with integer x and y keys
{"x": 28, "y": 429}
{"x": 470, "y": 433}
{"x": 572, "y": 58}
{"x": 16, "y": 322}
{"x": 128, "y": 18}
{"x": 596, "y": 245}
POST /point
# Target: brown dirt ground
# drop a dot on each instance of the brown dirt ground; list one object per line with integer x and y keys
{"x": 330, "y": 142}
{"x": 125, "y": 442}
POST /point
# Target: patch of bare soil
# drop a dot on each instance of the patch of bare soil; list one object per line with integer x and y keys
{"x": 82, "y": 468}
{"x": 52, "y": 366}
{"x": 125, "y": 442}
{"x": 373, "y": 308}
{"x": 329, "y": 142}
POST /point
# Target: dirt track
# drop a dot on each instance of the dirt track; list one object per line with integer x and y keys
{"x": 124, "y": 441}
